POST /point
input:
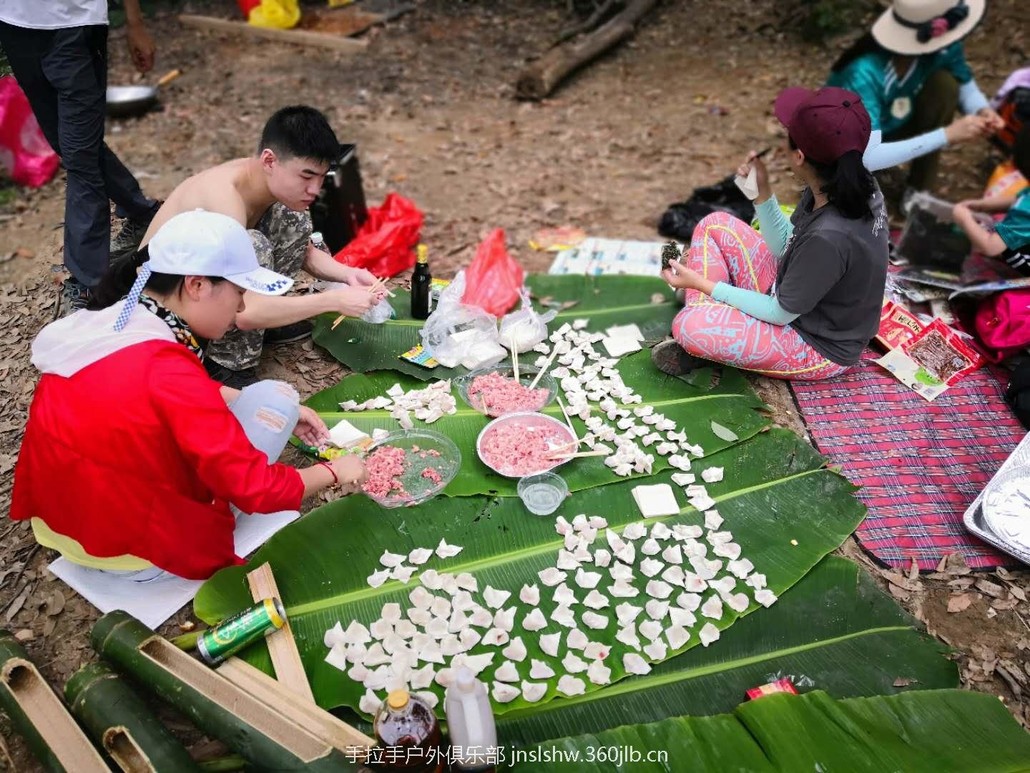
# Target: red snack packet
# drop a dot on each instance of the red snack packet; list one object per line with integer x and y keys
{"x": 942, "y": 353}
{"x": 897, "y": 326}
{"x": 780, "y": 685}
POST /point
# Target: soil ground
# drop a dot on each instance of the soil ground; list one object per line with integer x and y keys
{"x": 430, "y": 106}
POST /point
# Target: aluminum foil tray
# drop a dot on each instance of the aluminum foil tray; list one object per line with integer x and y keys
{"x": 974, "y": 519}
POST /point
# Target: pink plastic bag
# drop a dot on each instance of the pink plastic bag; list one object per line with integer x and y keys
{"x": 24, "y": 151}
{"x": 386, "y": 242}
{"x": 493, "y": 280}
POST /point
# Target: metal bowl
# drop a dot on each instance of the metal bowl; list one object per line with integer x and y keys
{"x": 130, "y": 101}
{"x": 419, "y": 489}
{"x": 526, "y": 376}
{"x": 529, "y": 421}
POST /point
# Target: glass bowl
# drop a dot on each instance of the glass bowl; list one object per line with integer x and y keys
{"x": 423, "y": 450}
{"x": 502, "y": 437}
{"x": 526, "y": 376}
{"x": 542, "y": 494}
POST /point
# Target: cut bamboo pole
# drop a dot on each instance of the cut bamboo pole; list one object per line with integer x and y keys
{"x": 298, "y": 37}
{"x": 123, "y": 724}
{"x": 289, "y": 669}
{"x": 333, "y": 731}
{"x": 262, "y": 734}
{"x": 38, "y": 715}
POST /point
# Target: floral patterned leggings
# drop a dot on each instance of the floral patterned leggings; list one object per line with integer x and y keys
{"x": 725, "y": 249}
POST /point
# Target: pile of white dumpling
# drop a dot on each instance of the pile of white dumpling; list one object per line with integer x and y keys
{"x": 586, "y": 378}
{"x": 689, "y": 573}
{"x": 429, "y": 404}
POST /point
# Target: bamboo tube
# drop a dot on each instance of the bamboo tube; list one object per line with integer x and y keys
{"x": 320, "y": 722}
{"x": 263, "y": 735}
{"x": 123, "y": 724}
{"x": 38, "y": 715}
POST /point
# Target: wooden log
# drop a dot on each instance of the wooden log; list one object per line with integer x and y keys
{"x": 540, "y": 78}
{"x": 330, "y": 729}
{"x": 297, "y": 37}
{"x": 289, "y": 669}
{"x": 267, "y": 738}
{"x": 123, "y": 724}
{"x": 40, "y": 717}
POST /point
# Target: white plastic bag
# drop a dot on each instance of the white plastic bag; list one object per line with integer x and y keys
{"x": 523, "y": 329}
{"x": 377, "y": 315}
{"x": 458, "y": 334}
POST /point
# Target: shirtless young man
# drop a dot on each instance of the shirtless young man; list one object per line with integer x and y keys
{"x": 269, "y": 194}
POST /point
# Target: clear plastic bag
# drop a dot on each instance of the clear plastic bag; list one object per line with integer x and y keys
{"x": 379, "y": 313}
{"x": 525, "y": 328}
{"x": 459, "y": 334}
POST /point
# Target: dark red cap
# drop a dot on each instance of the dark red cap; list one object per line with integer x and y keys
{"x": 824, "y": 124}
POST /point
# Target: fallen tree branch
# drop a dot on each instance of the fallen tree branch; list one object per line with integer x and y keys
{"x": 599, "y": 15}
{"x": 540, "y": 78}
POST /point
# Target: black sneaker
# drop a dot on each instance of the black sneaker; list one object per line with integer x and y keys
{"x": 287, "y": 334}
{"x": 670, "y": 358}
{"x": 235, "y": 379}
{"x": 74, "y": 296}
{"x": 132, "y": 231}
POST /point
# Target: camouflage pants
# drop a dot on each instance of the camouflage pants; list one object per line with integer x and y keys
{"x": 280, "y": 241}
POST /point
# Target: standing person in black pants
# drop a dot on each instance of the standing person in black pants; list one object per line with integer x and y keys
{"x": 57, "y": 50}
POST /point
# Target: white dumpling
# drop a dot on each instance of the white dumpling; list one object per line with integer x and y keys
{"x": 674, "y": 575}
{"x": 378, "y": 578}
{"x": 390, "y": 560}
{"x": 627, "y": 613}
{"x": 656, "y": 609}
{"x": 672, "y": 555}
{"x": 738, "y": 602}
{"x": 765, "y": 597}
{"x": 602, "y": 557}
{"x": 649, "y": 567}
{"x": 677, "y": 636}
{"x": 495, "y": 598}
{"x": 573, "y": 663}
{"x": 712, "y": 608}
{"x": 506, "y": 672}
{"x": 516, "y": 650}
{"x": 530, "y": 594}
{"x": 635, "y": 530}
{"x": 656, "y": 650}
{"x": 681, "y": 617}
{"x": 634, "y": 664}
{"x": 369, "y": 703}
{"x": 740, "y": 568}
{"x": 596, "y": 600}
{"x": 535, "y": 620}
{"x": 576, "y": 639}
{"x": 538, "y": 669}
{"x": 533, "y": 691}
{"x": 708, "y": 634}
{"x": 650, "y": 629}
{"x": 657, "y": 589}
{"x": 594, "y": 621}
{"x": 570, "y": 686}
{"x": 549, "y": 643}
{"x": 551, "y": 576}
{"x": 504, "y": 693}
{"x": 623, "y": 590}
{"x": 419, "y": 556}
{"x": 447, "y": 551}
{"x": 599, "y": 673}
{"x": 564, "y": 615}
{"x": 587, "y": 580}
{"x": 628, "y": 636}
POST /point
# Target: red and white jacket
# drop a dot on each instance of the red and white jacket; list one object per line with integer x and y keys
{"x": 130, "y": 448}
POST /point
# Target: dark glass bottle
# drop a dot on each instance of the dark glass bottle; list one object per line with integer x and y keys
{"x": 409, "y": 736}
{"x": 421, "y": 282}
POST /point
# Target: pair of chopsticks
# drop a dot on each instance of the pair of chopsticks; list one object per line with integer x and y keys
{"x": 376, "y": 286}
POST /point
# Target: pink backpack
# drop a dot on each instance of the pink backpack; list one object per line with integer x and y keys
{"x": 1003, "y": 322}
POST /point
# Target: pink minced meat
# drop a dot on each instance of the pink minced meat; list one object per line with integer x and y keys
{"x": 523, "y": 448}
{"x": 430, "y": 474}
{"x": 497, "y": 395}
{"x": 383, "y": 467}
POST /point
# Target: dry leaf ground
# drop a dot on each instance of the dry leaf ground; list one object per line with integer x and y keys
{"x": 430, "y": 106}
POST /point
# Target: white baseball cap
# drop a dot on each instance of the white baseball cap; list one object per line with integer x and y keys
{"x": 201, "y": 243}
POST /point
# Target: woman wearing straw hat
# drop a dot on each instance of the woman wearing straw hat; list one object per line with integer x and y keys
{"x": 132, "y": 455}
{"x": 911, "y": 72}
{"x": 802, "y": 299}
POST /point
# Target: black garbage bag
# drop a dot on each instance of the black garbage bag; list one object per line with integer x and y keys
{"x": 1018, "y": 393}
{"x": 679, "y": 220}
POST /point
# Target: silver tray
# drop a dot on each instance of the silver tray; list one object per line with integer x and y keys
{"x": 974, "y": 519}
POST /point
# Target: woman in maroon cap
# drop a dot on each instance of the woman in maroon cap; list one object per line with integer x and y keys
{"x": 802, "y": 299}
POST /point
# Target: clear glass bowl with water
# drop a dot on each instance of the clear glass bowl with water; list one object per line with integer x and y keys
{"x": 542, "y": 494}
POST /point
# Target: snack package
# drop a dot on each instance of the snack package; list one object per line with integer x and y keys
{"x": 897, "y": 326}
{"x": 932, "y": 361}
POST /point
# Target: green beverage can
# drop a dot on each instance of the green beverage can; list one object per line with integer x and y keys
{"x": 230, "y": 636}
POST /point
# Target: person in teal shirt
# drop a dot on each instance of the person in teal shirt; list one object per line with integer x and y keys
{"x": 1010, "y": 240}
{"x": 910, "y": 70}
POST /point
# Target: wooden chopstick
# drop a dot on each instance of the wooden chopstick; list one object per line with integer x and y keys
{"x": 579, "y": 455}
{"x": 550, "y": 359}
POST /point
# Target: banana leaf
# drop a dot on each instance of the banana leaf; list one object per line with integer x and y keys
{"x": 605, "y": 300}
{"x": 937, "y": 731}
{"x": 834, "y": 631}
{"x": 784, "y": 508}
{"x": 731, "y": 403}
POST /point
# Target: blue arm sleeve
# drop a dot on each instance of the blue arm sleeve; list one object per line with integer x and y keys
{"x": 883, "y": 155}
{"x": 970, "y": 99}
{"x": 776, "y": 228}
{"x": 758, "y": 305}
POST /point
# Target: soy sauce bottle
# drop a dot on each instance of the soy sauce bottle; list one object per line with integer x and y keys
{"x": 409, "y": 736}
{"x": 421, "y": 282}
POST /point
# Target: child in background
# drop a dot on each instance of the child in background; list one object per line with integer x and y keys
{"x": 1010, "y": 241}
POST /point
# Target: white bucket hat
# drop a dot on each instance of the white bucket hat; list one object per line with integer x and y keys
{"x": 914, "y": 27}
{"x": 201, "y": 243}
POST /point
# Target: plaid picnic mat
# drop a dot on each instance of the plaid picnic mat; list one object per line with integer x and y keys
{"x": 920, "y": 464}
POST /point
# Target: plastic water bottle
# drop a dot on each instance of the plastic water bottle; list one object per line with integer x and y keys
{"x": 470, "y": 723}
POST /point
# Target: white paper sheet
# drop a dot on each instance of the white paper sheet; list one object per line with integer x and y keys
{"x": 155, "y": 601}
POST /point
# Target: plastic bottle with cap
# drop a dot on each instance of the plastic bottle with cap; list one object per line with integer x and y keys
{"x": 470, "y": 724}
{"x": 409, "y": 735}
{"x": 319, "y": 242}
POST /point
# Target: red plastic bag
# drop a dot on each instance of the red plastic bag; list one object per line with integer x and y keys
{"x": 493, "y": 280}
{"x": 24, "y": 151}
{"x": 246, "y": 6}
{"x": 386, "y": 242}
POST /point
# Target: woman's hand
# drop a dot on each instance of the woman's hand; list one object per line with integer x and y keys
{"x": 967, "y": 128}
{"x": 682, "y": 278}
{"x": 761, "y": 175}
{"x": 350, "y": 469}
{"x": 995, "y": 123}
{"x": 310, "y": 428}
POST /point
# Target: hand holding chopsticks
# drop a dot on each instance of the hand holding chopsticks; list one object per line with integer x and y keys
{"x": 377, "y": 287}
